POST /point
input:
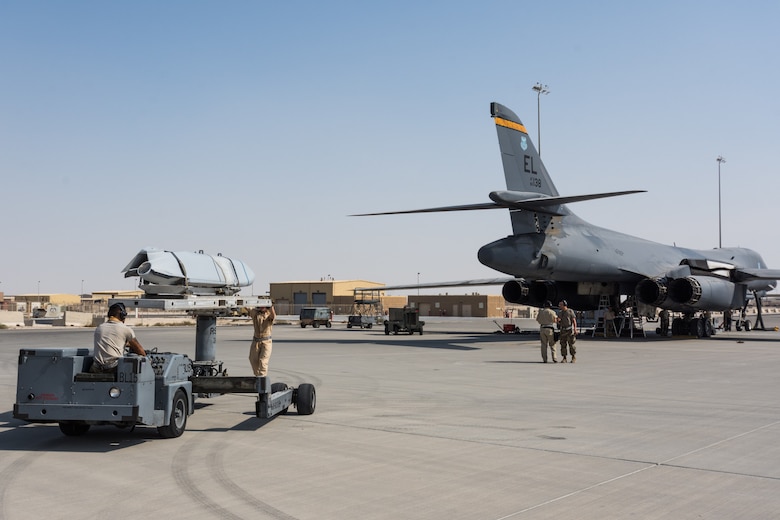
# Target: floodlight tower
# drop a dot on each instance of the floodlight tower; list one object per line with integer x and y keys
{"x": 720, "y": 160}
{"x": 539, "y": 89}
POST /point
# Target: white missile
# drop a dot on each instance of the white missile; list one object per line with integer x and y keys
{"x": 185, "y": 272}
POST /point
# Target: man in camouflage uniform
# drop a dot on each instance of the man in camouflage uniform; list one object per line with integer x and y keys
{"x": 567, "y": 323}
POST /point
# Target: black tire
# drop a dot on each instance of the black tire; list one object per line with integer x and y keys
{"x": 349, "y": 325}
{"x": 74, "y": 429}
{"x": 306, "y": 399}
{"x": 368, "y": 326}
{"x": 303, "y": 325}
{"x": 697, "y": 327}
{"x": 316, "y": 324}
{"x": 180, "y": 408}
{"x": 279, "y": 387}
{"x": 708, "y": 329}
{"x": 748, "y": 326}
{"x": 677, "y": 327}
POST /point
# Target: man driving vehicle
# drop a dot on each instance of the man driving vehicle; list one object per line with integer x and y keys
{"x": 111, "y": 337}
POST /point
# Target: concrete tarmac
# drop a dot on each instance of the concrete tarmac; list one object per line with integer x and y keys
{"x": 459, "y": 423}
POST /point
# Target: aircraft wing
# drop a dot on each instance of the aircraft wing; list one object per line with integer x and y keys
{"x": 460, "y": 283}
{"x": 513, "y": 200}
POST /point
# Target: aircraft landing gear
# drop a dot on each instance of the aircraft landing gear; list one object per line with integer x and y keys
{"x": 691, "y": 325}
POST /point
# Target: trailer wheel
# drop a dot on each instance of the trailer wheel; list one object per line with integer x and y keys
{"x": 303, "y": 325}
{"x": 74, "y": 429}
{"x": 367, "y": 326}
{"x": 306, "y": 399}
{"x": 279, "y": 387}
{"x": 316, "y": 324}
{"x": 178, "y": 420}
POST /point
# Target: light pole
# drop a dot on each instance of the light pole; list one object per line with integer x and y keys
{"x": 720, "y": 160}
{"x": 539, "y": 89}
{"x": 418, "y": 284}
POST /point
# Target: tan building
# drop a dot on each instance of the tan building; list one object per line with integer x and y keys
{"x": 460, "y": 305}
{"x": 338, "y": 295}
{"x": 42, "y": 301}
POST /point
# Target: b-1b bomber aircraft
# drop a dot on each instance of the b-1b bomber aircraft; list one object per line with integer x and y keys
{"x": 554, "y": 255}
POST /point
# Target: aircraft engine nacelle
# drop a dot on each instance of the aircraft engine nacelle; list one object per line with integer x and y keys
{"x": 538, "y": 292}
{"x": 705, "y": 293}
{"x": 517, "y": 292}
{"x": 652, "y": 291}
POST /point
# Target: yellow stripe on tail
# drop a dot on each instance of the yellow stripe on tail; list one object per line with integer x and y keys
{"x": 511, "y": 124}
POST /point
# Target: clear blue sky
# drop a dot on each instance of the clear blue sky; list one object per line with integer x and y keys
{"x": 253, "y": 129}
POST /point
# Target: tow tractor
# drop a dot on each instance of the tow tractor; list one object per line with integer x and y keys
{"x": 55, "y": 386}
{"x": 404, "y": 319}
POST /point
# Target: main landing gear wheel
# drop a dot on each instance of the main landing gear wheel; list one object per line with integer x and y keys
{"x": 678, "y": 327}
{"x": 708, "y": 329}
{"x": 178, "y": 422}
{"x": 697, "y": 327}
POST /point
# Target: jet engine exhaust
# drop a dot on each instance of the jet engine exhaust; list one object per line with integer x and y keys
{"x": 652, "y": 291}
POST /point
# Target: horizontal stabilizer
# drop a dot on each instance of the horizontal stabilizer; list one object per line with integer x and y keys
{"x": 516, "y": 200}
{"x": 544, "y": 204}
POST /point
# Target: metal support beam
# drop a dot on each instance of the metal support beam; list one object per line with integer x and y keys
{"x": 205, "y": 338}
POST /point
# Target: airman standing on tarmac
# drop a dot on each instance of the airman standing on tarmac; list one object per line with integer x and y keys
{"x": 567, "y": 323}
{"x": 260, "y": 350}
{"x": 547, "y": 318}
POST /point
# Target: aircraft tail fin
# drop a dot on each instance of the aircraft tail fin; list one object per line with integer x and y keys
{"x": 524, "y": 170}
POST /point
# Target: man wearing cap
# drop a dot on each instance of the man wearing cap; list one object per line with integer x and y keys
{"x": 547, "y": 318}
{"x": 260, "y": 350}
{"x": 567, "y": 323}
{"x": 110, "y": 340}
